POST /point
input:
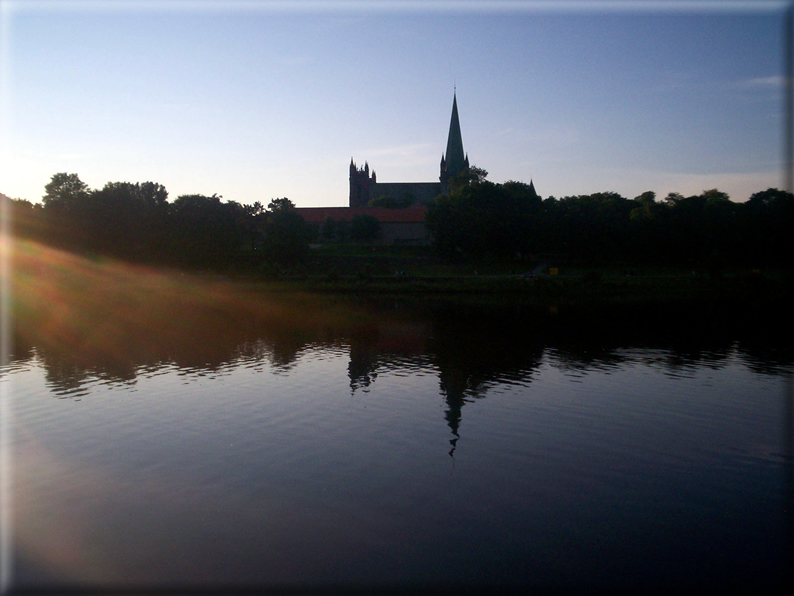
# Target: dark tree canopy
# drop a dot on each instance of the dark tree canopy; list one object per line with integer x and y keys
{"x": 483, "y": 219}
{"x": 136, "y": 221}
{"x": 470, "y": 175}
{"x": 280, "y": 205}
{"x": 64, "y": 192}
{"x": 476, "y": 219}
{"x": 286, "y": 234}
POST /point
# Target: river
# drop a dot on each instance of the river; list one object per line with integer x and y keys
{"x": 216, "y": 440}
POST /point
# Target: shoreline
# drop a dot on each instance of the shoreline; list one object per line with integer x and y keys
{"x": 561, "y": 282}
{"x": 747, "y": 288}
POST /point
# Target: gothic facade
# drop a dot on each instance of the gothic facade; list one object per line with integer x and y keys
{"x": 364, "y": 185}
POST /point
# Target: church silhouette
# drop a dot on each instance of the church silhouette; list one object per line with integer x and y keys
{"x": 364, "y": 185}
{"x": 396, "y": 226}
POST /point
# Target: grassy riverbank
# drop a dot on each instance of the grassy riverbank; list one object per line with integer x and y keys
{"x": 576, "y": 287}
{"x": 416, "y": 273}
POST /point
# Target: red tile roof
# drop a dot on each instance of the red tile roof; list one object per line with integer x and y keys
{"x": 382, "y": 214}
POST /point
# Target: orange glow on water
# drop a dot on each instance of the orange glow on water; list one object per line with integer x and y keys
{"x": 115, "y": 312}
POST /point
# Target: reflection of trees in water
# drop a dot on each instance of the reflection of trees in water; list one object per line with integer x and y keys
{"x": 66, "y": 378}
{"x": 471, "y": 348}
{"x": 475, "y": 349}
{"x": 68, "y": 373}
{"x": 674, "y": 339}
{"x": 766, "y": 346}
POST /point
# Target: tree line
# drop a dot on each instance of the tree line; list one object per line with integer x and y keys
{"x": 476, "y": 219}
{"x": 136, "y": 221}
{"x": 505, "y": 221}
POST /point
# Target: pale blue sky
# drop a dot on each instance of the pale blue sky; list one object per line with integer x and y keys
{"x": 253, "y": 100}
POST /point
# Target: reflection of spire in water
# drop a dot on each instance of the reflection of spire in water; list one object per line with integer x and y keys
{"x": 475, "y": 349}
{"x": 454, "y": 443}
{"x": 453, "y": 385}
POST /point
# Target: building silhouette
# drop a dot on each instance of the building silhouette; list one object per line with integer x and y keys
{"x": 364, "y": 185}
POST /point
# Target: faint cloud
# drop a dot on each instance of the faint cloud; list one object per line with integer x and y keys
{"x": 689, "y": 81}
{"x": 763, "y": 88}
{"x": 773, "y": 82}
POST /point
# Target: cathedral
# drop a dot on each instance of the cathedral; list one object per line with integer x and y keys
{"x": 364, "y": 185}
{"x": 397, "y": 226}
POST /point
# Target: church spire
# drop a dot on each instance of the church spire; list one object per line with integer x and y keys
{"x": 455, "y": 160}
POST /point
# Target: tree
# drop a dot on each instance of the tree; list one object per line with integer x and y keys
{"x": 715, "y": 196}
{"x": 65, "y": 204}
{"x": 647, "y": 207}
{"x": 471, "y": 175}
{"x": 25, "y": 218}
{"x": 255, "y": 209}
{"x": 484, "y": 219}
{"x": 770, "y": 197}
{"x": 286, "y": 234}
{"x": 205, "y": 230}
{"x": 646, "y": 198}
{"x": 766, "y": 224}
{"x": 522, "y": 193}
{"x": 282, "y": 205}
{"x": 65, "y": 192}
{"x": 129, "y": 219}
{"x": 673, "y": 198}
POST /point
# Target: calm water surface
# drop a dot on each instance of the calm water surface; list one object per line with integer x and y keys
{"x": 305, "y": 444}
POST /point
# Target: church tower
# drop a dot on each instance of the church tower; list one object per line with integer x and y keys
{"x": 454, "y": 161}
{"x": 361, "y": 184}
{"x": 364, "y": 185}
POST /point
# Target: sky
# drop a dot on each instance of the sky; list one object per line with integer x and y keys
{"x": 258, "y": 100}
